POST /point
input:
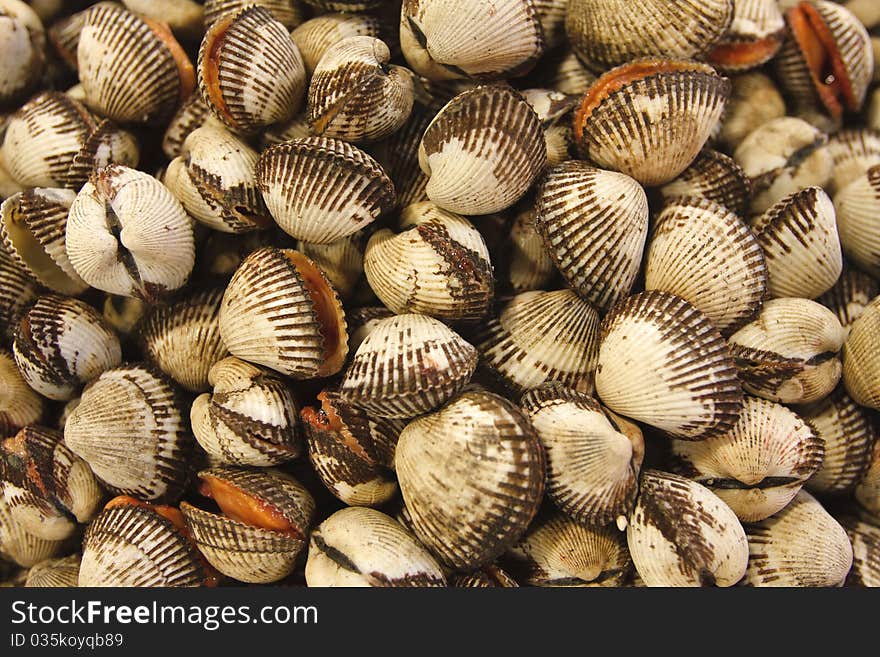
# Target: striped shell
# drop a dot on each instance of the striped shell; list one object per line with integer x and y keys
{"x": 399, "y": 157}
{"x": 192, "y": 114}
{"x": 868, "y": 489}
{"x": 317, "y": 34}
{"x": 850, "y": 295}
{"x": 861, "y": 357}
{"x": 19, "y": 404}
{"x": 17, "y": 291}
{"x": 865, "y": 539}
{"x": 754, "y": 37}
{"x": 853, "y": 151}
{"x": 716, "y": 177}
{"x": 19, "y": 545}
{"x": 288, "y": 12}
{"x": 858, "y": 206}
{"x": 528, "y": 264}
{"x": 62, "y": 572}
{"x": 488, "y": 577}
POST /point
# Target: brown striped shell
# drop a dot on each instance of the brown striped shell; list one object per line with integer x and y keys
{"x": 865, "y": 539}
{"x": 63, "y": 34}
{"x": 399, "y": 157}
{"x": 279, "y": 310}
{"x": 472, "y": 494}
{"x": 484, "y": 578}
{"x": 853, "y": 151}
{"x": 850, "y": 295}
{"x": 362, "y": 321}
{"x": 662, "y": 362}
{"x": 561, "y": 70}
{"x": 528, "y": 264}
{"x": 754, "y": 101}
{"x": 716, "y": 177}
{"x": 861, "y": 357}
{"x": 316, "y": 35}
{"x": 287, "y": 12}
{"x": 192, "y": 113}
{"x": 19, "y": 404}
{"x": 19, "y": 545}
{"x": 858, "y": 206}
{"x": 17, "y": 291}
{"x": 754, "y": 37}
{"x": 24, "y": 51}
{"x": 62, "y": 572}
{"x": 551, "y": 14}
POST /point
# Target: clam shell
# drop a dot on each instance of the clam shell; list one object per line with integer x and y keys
{"x": 594, "y": 224}
{"x": 853, "y": 152}
{"x": 320, "y": 190}
{"x": 183, "y": 339}
{"x": 364, "y": 547}
{"x": 865, "y": 539}
{"x": 789, "y": 352}
{"x": 279, "y": 310}
{"x": 861, "y": 357}
{"x": 551, "y": 14}
{"x": 24, "y": 45}
{"x": 248, "y": 419}
{"x": 439, "y": 266}
{"x": 20, "y": 546}
{"x": 399, "y": 157}
{"x": 361, "y": 323}
{"x": 129, "y": 428}
{"x": 123, "y": 314}
{"x": 472, "y": 494}
{"x": 650, "y": 118}
{"x": 662, "y": 362}
{"x": 61, "y": 344}
{"x": 802, "y": 545}
{"x": 593, "y": 456}
{"x": 681, "y": 534}
{"x": 759, "y": 465}
{"x": 713, "y": 176}
{"x": 727, "y": 280}
{"x": 17, "y": 291}
{"x": 297, "y": 128}
{"x": 62, "y": 573}
{"x": 19, "y": 404}
{"x": 529, "y": 266}
{"x": 341, "y": 261}
{"x": 801, "y": 244}
{"x": 317, "y": 34}
{"x": 184, "y": 17}
{"x": 868, "y": 488}
{"x": 482, "y": 151}
{"x": 484, "y": 578}
{"x": 408, "y": 365}
{"x": 850, "y": 295}
{"x": 754, "y": 101}
{"x": 754, "y": 37}
{"x": 858, "y": 206}
{"x": 192, "y": 113}
{"x": 542, "y": 336}
{"x": 106, "y": 144}
{"x": 287, "y": 12}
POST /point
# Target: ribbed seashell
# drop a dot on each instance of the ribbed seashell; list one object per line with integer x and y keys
{"x": 214, "y": 179}
{"x": 528, "y": 265}
{"x": 408, "y": 365}
{"x": 279, "y": 310}
{"x": 250, "y": 71}
{"x": 662, "y": 362}
{"x": 827, "y": 59}
{"x": 23, "y": 50}
{"x": 192, "y": 113}
{"x": 132, "y": 69}
{"x": 850, "y": 296}
{"x": 650, "y": 118}
{"x": 183, "y": 338}
{"x": 352, "y": 453}
{"x": 58, "y": 573}
{"x": 362, "y": 321}
{"x": 129, "y": 427}
{"x": 542, "y": 336}
{"x": 47, "y": 487}
{"x": 222, "y": 253}
{"x": 754, "y": 37}
{"x": 20, "y": 546}
{"x": 759, "y": 465}
{"x": 487, "y": 577}
{"x": 345, "y": 5}
{"x": 184, "y": 17}
{"x": 861, "y": 357}
{"x": 106, "y": 144}
{"x": 132, "y": 543}
{"x": 364, "y": 547}
{"x": 316, "y": 35}
{"x": 320, "y": 190}
{"x": 754, "y": 100}
{"x": 123, "y": 314}
{"x": 267, "y": 517}
{"x": 789, "y": 352}
{"x": 17, "y": 291}
{"x": 865, "y": 539}
{"x": 438, "y": 265}
{"x": 853, "y": 151}
{"x": 356, "y": 95}
{"x": 62, "y": 344}
{"x": 551, "y": 14}
{"x": 802, "y": 545}
{"x": 287, "y": 12}
{"x": 783, "y": 156}
{"x": 594, "y": 224}
{"x": 399, "y": 157}
{"x": 127, "y": 234}
{"x": 559, "y": 552}
{"x": 19, "y": 404}
{"x": 858, "y": 206}
{"x": 341, "y": 261}
{"x": 801, "y": 244}
{"x": 682, "y": 534}
{"x": 849, "y": 435}
{"x": 716, "y": 177}
{"x": 445, "y": 39}
{"x": 472, "y": 494}
{"x": 606, "y": 33}
{"x": 64, "y": 33}
{"x": 482, "y": 151}
{"x": 249, "y": 418}
{"x": 593, "y": 456}
{"x": 32, "y": 227}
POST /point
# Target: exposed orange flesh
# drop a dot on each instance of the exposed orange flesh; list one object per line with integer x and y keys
{"x": 325, "y": 419}
{"x": 17, "y": 445}
{"x": 238, "y": 505}
{"x": 823, "y": 58}
{"x": 185, "y": 71}
{"x": 211, "y": 66}
{"x": 746, "y": 54}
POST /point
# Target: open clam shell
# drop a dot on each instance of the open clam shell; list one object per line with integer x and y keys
{"x": 754, "y": 37}
{"x": 716, "y": 177}
{"x": 316, "y": 35}
{"x": 472, "y": 494}
{"x": 19, "y": 404}
{"x": 760, "y": 465}
{"x": 663, "y": 363}
{"x": 858, "y": 206}
{"x": 54, "y": 573}
{"x": 865, "y": 539}
{"x": 850, "y": 296}
{"x": 861, "y": 357}
{"x": 19, "y": 545}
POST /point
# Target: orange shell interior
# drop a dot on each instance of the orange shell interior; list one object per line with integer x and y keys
{"x": 746, "y": 54}
{"x": 326, "y": 419}
{"x": 185, "y": 71}
{"x": 211, "y": 66}
{"x": 239, "y": 505}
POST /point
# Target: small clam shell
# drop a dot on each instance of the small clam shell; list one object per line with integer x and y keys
{"x": 663, "y": 363}
{"x": 650, "y": 118}
{"x": 364, "y": 547}
{"x": 593, "y": 456}
{"x": 801, "y": 244}
{"x": 129, "y": 428}
{"x": 865, "y": 539}
{"x": 127, "y": 234}
{"x": 850, "y": 295}
{"x": 320, "y": 190}
{"x": 716, "y": 177}
{"x": 754, "y": 101}
{"x": 439, "y": 265}
{"x": 17, "y": 291}
{"x": 482, "y": 151}
{"x": 132, "y": 543}
{"x": 183, "y": 338}
{"x": 279, "y": 310}
{"x": 288, "y": 12}
{"x": 250, "y": 72}
{"x": 362, "y": 321}
{"x": 789, "y": 353}
{"x": 858, "y": 206}
{"x": 488, "y": 577}
{"x": 445, "y": 39}
{"x": 861, "y": 357}
{"x": 754, "y": 37}
{"x": 64, "y": 34}
{"x": 248, "y": 419}
{"x": 341, "y": 261}
{"x": 63, "y": 343}
{"x": 184, "y": 17}
{"x": 316, "y": 35}
{"x": 802, "y": 545}
{"x": 758, "y": 466}
{"x": 529, "y": 266}
{"x": 542, "y": 336}
{"x": 551, "y": 14}
{"x": 868, "y": 487}
{"x": 19, "y": 404}
{"x": 24, "y": 46}
{"x": 62, "y": 573}
{"x": 853, "y": 152}
{"x": 472, "y": 494}
{"x": 21, "y": 546}
{"x": 192, "y": 114}
{"x": 297, "y": 128}
{"x": 594, "y": 224}
{"x": 681, "y": 534}
{"x": 408, "y": 365}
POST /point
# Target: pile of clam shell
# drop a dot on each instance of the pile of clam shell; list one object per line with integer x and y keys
{"x": 440, "y": 293}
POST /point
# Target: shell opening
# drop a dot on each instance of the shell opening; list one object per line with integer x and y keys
{"x": 240, "y": 506}
{"x": 168, "y": 512}
{"x": 185, "y": 71}
{"x": 326, "y": 420}
{"x": 30, "y": 250}
{"x": 745, "y": 54}
{"x": 211, "y": 66}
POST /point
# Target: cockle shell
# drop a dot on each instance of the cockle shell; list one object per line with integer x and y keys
{"x": 341, "y": 261}
{"x": 865, "y": 539}
{"x": 288, "y": 12}
{"x": 399, "y": 157}
{"x": 561, "y": 70}
{"x": 483, "y": 578}
{"x": 192, "y": 113}
{"x": 529, "y": 266}
{"x": 716, "y": 177}
{"x": 21, "y": 546}
{"x": 868, "y": 488}
{"x": 17, "y": 291}
{"x": 184, "y": 17}
{"x": 850, "y": 295}
{"x": 754, "y": 101}
{"x": 551, "y": 14}
{"x": 24, "y": 51}
{"x": 63, "y": 572}
{"x": 19, "y": 404}
{"x": 858, "y": 206}
{"x": 317, "y": 34}
{"x": 754, "y": 37}
{"x": 853, "y": 151}
{"x": 861, "y": 357}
